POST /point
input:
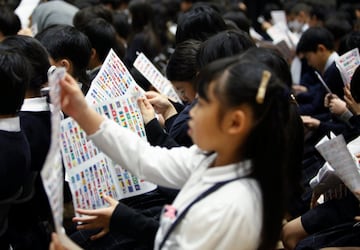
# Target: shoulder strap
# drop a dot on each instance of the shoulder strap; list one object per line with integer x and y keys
{"x": 184, "y": 212}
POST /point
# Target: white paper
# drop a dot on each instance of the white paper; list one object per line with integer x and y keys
{"x": 113, "y": 80}
{"x": 347, "y": 64}
{"x": 153, "y": 75}
{"x": 337, "y": 154}
{"x": 91, "y": 173}
{"x": 51, "y": 173}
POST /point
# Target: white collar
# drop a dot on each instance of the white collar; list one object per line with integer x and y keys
{"x": 36, "y": 104}
{"x": 231, "y": 171}
{"x": 330, "y": 60}
{"x": 10, "y": 124}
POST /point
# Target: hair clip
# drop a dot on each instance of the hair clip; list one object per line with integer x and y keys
{"x": 260, "y": 96}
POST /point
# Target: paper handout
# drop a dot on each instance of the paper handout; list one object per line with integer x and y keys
{"x": 336, "y": 153}
{"x": 113, "y": 80}
{"x": 91, "y": 173}
{"x": 52, "y": 173}
{"x": 347, "y": 64}
{"x": 153, "y": 75}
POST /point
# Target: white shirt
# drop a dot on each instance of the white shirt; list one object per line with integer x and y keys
{"x": 230, "y": 218}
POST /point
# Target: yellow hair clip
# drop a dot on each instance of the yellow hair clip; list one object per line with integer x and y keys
{"x": 260, "y": 96}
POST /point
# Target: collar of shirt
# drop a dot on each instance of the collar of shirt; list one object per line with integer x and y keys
{"x": 330, "y": 60}
{"x": 231, "y": 171}
{"x": 36, "y": 104}
{"x": 10, "y": 124}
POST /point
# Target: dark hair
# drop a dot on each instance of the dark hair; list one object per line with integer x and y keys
{"x": 294, "y": 127}
{"x": 182, "y": 65}
{"x": 37, "y": 56}
{"x": 349, "y": 42}
{"x": 66, "y": 42}
{"x": 273, "y": 59}
{"x": 355, "y": 85}
{"x": 14, "y": 75}
{"x": 237, "y": 83}
{"x": 199, "y": 23}
{"x": 85, "y": 15}
{"x": 239, "y": 18}
{"x": 9, "y": 22}
{"x": 224, "y": 44}
{"x": 338, "y": 27}
{"x": 102, "y": 36}
{"x": 313, "y": 37}
{"x": 121, "y": 24}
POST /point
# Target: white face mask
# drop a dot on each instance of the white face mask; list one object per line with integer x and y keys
{"x": 295, "y": 26}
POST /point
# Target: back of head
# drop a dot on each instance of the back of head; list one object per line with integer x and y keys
{"x": 236, "y": 83}
{"x": 349, "y": 42}
{"x": 355, "y": 85}
{"x": 182, "y": 65}
{"x": 313, "y": 37}
{"x": 102, "y": 36}
{"x": 37, "y": 56}
{"x": 199, "y": 23}
{"x": 273, "y": 59}
{"x": 66, "y": 42}
{"x": 338, "y": 27}
{"x": 141, "y": 14}
{"x": 85, "y": 15}
{"x": 9, "y": 22}
{"x": 239, "y": 18}
{"x": 14, "y": 75}
{"x": 224, "y": 44}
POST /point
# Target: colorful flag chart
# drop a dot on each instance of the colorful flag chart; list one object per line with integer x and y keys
{"x": 51, "y": 173}
{"x": 113, "y": 80}
{"x": 153, "y": 75}
{"x": 113, "y": 93}
{"x": 347, "y": 64}
{"x": 91, "y": 173}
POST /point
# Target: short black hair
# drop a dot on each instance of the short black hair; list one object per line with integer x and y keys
{"x": 313, "y": 37}
{"x": 9, "y": 22}
{"x": 64, "y": 41}
{"x": 199, "y": 23}
{"x": 14, "y": 78}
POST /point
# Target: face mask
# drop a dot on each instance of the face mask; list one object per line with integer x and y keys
{"x": 295, "y": 26}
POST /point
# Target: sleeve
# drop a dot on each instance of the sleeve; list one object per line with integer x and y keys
{"x": 157, "y": 136}
{"x": 131, "y": 222}
{"x": 167, "y": 167}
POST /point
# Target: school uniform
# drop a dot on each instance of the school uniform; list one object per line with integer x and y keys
{"x": 14, "y": 156}
{"x": 29, "y": 230}
{"x": 231, "y": 217}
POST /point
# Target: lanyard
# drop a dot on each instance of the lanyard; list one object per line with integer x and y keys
{"x": 200, "y": 197}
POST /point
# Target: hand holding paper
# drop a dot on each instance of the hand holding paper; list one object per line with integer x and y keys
{"x": 337, "y": 154}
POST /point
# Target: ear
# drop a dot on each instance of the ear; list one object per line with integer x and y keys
{"x": 67, "y": 65}
{"x": 321, "y": 48}
{"x": 235, "y": 122}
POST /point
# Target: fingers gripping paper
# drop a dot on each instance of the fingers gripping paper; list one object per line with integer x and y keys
{"x": 336, "y": 153}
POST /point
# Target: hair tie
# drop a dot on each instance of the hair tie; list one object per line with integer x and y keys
{"x": 260, "y": 96}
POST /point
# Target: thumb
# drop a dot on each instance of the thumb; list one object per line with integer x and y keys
{"x": 110, "y": 200}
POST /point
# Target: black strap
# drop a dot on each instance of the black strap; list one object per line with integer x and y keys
{"x": 184, "y": 212}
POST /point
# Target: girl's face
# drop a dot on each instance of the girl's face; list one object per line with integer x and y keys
{"x": 185, "y": 90}
{"x": 204, "y": 125}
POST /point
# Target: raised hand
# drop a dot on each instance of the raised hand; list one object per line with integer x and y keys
{"x": 97, "y": 218}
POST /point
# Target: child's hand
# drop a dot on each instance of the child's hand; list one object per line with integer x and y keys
{"x": 72, "y": 99}
{"x": 350, "y": 102}
{"x": 337, "y": 106}
{"x": 147, "y": 111}
{"x": 98, "y": 218}
{"x": 161, "y": 104}
{"x": 310, "y": 122}
{"x": 55, "y": 243}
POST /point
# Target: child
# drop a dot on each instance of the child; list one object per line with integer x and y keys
{"x": 14, "y": 147}
{"x": 29, "y": 230}
{"x": 237, "y": 197}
